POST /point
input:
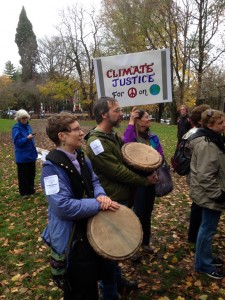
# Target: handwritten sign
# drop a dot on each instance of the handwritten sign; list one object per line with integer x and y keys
{"x": 136, "y": 78}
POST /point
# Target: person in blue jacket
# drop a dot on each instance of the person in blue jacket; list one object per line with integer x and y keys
{"x": 74, "y": 194}
{"x": 25, "y": 153}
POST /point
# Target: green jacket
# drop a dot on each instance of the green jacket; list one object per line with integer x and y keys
{"x": 207, "y": 174}
{"x": 115, "y": 177}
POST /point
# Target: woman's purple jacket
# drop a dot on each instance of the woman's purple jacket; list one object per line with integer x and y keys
{"x": 130, "y": 136}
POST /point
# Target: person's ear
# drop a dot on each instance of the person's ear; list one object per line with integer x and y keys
{"x": 61, "y": 136}
{"x": 104, "y": 116}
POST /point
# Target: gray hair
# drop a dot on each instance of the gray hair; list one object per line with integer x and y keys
{"x": 21, "y": 114}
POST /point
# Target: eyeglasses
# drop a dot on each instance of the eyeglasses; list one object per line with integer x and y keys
{"x": 77, "y": 129}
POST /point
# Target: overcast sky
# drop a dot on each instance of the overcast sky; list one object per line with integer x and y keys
{"x": 43, "y": 15}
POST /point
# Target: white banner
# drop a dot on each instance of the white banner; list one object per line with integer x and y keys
{"x": 135, "y": 78}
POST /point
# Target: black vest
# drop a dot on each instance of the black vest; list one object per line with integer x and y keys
{"x": 81, "y": 183}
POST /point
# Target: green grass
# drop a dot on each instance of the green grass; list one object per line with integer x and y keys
{"x": 6, "y": 125}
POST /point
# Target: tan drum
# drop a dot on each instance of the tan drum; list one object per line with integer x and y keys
{"x": 141, "y": 157}
{"x": 115, "y": 235}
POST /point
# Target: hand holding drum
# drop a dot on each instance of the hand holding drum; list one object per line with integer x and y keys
{"x": 153, "y": 178}
{"x": 107, "y": 203}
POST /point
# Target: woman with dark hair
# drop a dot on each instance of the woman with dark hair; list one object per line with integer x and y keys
{"x": 138, "y": 130}
{"x": 207, "y": 187}
{"x": 74, "y": 194}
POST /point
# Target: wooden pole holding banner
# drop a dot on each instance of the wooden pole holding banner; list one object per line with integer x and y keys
{"x": 224, "y": 112}
{"x": 224, "y": 104}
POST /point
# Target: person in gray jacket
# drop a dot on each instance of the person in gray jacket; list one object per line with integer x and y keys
{"x": 196, "y": 210}
{"x": 207, "y": 187}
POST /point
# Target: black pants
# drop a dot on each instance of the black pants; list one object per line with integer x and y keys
{"x": 83, "y": 292}
{"x": 84, "y": 270}
{"x": 195, "y": 222}
{"x": 26, "y": 175}
{"x": 143, "y": 207}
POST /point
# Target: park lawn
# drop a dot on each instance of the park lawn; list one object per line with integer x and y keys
{"x": 166, "y": 275}
{"x": 6, "y": 125}
{"x": 165, "y": 132}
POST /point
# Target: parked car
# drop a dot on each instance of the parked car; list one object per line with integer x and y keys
{"x": 126, "y": 116}
{"x": 165, "y": 121}
{"x": 9, "y": 114}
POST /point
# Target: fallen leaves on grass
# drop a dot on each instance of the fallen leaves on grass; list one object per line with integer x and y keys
{"x": 168, "y": 274}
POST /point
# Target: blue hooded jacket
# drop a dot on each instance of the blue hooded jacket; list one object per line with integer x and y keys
{"x": 25, "y": 150}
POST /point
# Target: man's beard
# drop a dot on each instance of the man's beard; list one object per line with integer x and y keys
{"x": 115, "y": 124}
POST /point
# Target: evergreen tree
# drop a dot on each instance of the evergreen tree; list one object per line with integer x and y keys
{"x": 9, "y": 69}
{"x": 27, "y": 45}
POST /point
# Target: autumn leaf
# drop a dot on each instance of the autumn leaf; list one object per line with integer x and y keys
{"x": 16, "y": 277}
{"x": 174, "y": 260}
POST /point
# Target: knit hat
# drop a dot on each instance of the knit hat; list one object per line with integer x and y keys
{"x": 21, "y": 114}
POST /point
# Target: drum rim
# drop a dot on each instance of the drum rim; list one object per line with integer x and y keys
{"x": 138, "y": 165}
{"x": 99, "y": 250}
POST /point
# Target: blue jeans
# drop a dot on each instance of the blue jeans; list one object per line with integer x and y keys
{"x": 143, "y": 207}
{"x": 208, "y": 228}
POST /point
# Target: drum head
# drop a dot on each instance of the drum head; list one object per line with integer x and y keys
{"x": 141, "y": 157}
{"x": 115, "y": 235}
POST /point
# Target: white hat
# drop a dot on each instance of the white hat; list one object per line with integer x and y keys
{"x": 21, "y": 114}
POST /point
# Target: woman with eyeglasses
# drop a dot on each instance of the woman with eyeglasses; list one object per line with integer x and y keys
{"x": 74, "y": 194}
{"x": 207, "y": 187}
{"x": 25, "y": 153}
{"x": 138, "y": 130}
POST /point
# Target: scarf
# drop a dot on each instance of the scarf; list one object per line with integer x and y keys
{"x": 211, "y": 136}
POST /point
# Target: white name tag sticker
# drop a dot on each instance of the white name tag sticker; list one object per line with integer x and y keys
{"x": 51, "y": 185}
{"x": 97, "y": 147}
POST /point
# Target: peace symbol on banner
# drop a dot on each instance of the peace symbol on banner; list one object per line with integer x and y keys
{"x": 132, "y": 92}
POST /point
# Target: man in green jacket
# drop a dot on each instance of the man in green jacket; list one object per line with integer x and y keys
{"x": 104, "y": 151}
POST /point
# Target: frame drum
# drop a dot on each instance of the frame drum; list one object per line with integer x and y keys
{"x": 115, "y": 235}
{"x": 141, "y": 156}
